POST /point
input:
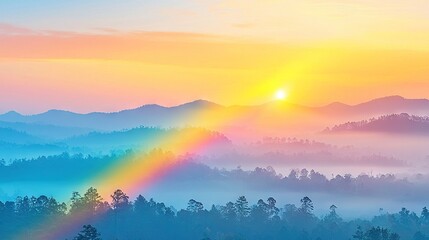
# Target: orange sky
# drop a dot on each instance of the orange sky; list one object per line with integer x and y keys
{"x": 318, "y": 53}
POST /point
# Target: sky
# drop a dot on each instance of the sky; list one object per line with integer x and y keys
{"x": 106, "y": 55}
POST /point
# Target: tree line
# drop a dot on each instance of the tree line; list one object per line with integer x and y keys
{"x": 122, "y": 218}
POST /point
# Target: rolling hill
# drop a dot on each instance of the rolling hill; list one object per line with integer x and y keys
{"x": 393, "y": 123}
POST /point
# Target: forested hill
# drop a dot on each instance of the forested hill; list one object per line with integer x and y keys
{"x": 16, "y": 144}
{"x": 394, "y": 123}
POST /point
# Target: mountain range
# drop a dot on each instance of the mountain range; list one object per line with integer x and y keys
{"x": 284, "y": 117}
{"x": 225, "y": 128}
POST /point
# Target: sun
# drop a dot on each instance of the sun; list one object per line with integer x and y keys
{"x": 280, "y": 94}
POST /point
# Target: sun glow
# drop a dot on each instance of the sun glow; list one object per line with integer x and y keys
{"x": 281, "y": 94}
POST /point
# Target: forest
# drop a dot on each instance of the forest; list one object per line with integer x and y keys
{"x": 88, "y": 216}
{"x": 191, "y": 172}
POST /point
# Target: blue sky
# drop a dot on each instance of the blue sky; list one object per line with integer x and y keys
{"x": 83, "y": 15}
{"x": 286, "y": 20}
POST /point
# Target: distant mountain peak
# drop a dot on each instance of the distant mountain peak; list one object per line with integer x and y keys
{"x": 389, "y": 99}
{"x": 145, "y": 106}
{"x": 394, "y": 97}
{"x": 57, "y": 112}
{"x": 12, "y": 113}
{"x": 337, "y": 105}
{"x": 199, "y": 103}
{"x": 12, "y": 116}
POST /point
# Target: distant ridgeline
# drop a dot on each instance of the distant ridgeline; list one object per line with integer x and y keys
{"x": 187, "y": 173}
{"x": 119, "y": 217}
{"x": 394, "y": 123}
{"x": 17, "y": 143}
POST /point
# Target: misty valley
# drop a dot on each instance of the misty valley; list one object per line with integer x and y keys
{"x": 193, "y": 172}
{"x": 214, "y": 120}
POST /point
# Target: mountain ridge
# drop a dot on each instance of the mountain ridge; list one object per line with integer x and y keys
{"x": 393, "y": 123}
{"x": 203, "y": 113}
{"x": 206, "y": 103}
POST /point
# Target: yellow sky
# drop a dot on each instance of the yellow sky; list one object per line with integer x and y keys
{"x": 238, "y": 52}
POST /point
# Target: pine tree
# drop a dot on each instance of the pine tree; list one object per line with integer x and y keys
{"x": 88, "y": 233}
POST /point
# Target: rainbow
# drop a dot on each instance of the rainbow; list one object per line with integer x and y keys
{"x": 135, "y": 172}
